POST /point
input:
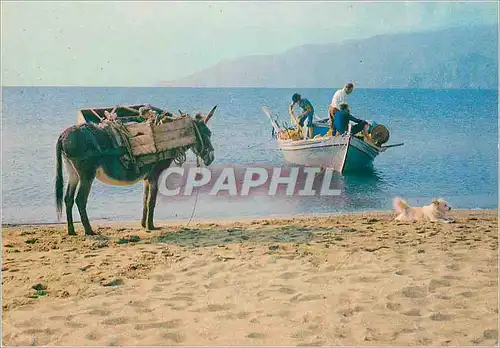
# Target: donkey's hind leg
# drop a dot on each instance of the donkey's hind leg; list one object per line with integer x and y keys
{"x": 87, "y": 176}
{"x": 69, "y": 198}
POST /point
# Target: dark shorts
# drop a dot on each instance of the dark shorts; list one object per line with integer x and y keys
{"x": 309, "y": 121}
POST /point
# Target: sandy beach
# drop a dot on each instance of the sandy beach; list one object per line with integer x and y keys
{"x": 356, "y": 279}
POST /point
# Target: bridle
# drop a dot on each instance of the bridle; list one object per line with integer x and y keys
{"x": 205, "y": 148}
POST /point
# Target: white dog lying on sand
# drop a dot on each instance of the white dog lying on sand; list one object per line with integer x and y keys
{"x": 434, "y": 212}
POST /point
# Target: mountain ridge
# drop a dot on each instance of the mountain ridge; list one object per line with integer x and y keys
{"x": 463, "y": 57}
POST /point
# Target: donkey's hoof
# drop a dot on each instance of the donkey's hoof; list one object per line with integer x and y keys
{"x": 151, "y": 228}
{"x": 91, "y": 233}
{"x": 71, "y": 233}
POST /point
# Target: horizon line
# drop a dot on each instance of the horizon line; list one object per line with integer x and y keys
{"x": 239, "y": 87}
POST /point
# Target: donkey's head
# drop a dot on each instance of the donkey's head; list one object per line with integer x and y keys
{"x": 203, "y": 146}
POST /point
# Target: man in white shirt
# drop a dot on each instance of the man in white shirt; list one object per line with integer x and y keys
{"x": 340, "y": 97}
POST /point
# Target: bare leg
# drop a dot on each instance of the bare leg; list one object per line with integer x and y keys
{"x": 330, "y": 116}
{"x": 365, "y": 129}
{"x": 81, "y": 200}
{"x": 145, "y": 203}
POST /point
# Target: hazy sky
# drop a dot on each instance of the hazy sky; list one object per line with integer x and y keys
{"x": 124, "y": 43}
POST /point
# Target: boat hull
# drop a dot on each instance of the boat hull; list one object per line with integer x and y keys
{"x": 313, "y": 152}
{"x": 341, "y": 153}
{"x": 359, "y": 155}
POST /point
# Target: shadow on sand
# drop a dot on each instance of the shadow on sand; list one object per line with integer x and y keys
{"x": 213, "y": 236}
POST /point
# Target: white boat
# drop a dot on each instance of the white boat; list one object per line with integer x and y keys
{"x": 341, "y": 153}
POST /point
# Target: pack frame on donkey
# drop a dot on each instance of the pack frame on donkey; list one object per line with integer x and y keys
{"x": 106, "y": 146}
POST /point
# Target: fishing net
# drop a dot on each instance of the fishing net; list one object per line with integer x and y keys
{"x": 281, "y": 130}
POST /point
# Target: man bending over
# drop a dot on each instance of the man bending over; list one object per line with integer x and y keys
{"x": 341, "y": 122}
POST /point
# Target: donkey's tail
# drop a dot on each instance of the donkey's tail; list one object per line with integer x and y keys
{"x": 59, "y": 178}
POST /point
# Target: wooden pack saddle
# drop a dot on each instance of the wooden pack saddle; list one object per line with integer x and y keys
{"x": 142, "y": 142}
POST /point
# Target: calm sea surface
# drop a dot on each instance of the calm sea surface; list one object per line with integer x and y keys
{"x": 450, "y": 150}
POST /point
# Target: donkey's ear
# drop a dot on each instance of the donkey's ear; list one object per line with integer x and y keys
{"x": 436, "y": 202}
{"x": 210, "y": 114}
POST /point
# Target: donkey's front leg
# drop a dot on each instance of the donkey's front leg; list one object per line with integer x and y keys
{"x": 151, "y": 203}
{"x": 145, "y": 203}
{"x": 153, "y": 182}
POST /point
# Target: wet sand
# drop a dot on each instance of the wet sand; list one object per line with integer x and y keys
{"x": 357, "y": 279}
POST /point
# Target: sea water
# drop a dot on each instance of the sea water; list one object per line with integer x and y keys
{"x": 450, "y": 150}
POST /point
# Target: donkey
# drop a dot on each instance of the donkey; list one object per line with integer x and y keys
{"x": 87, "y": 153}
